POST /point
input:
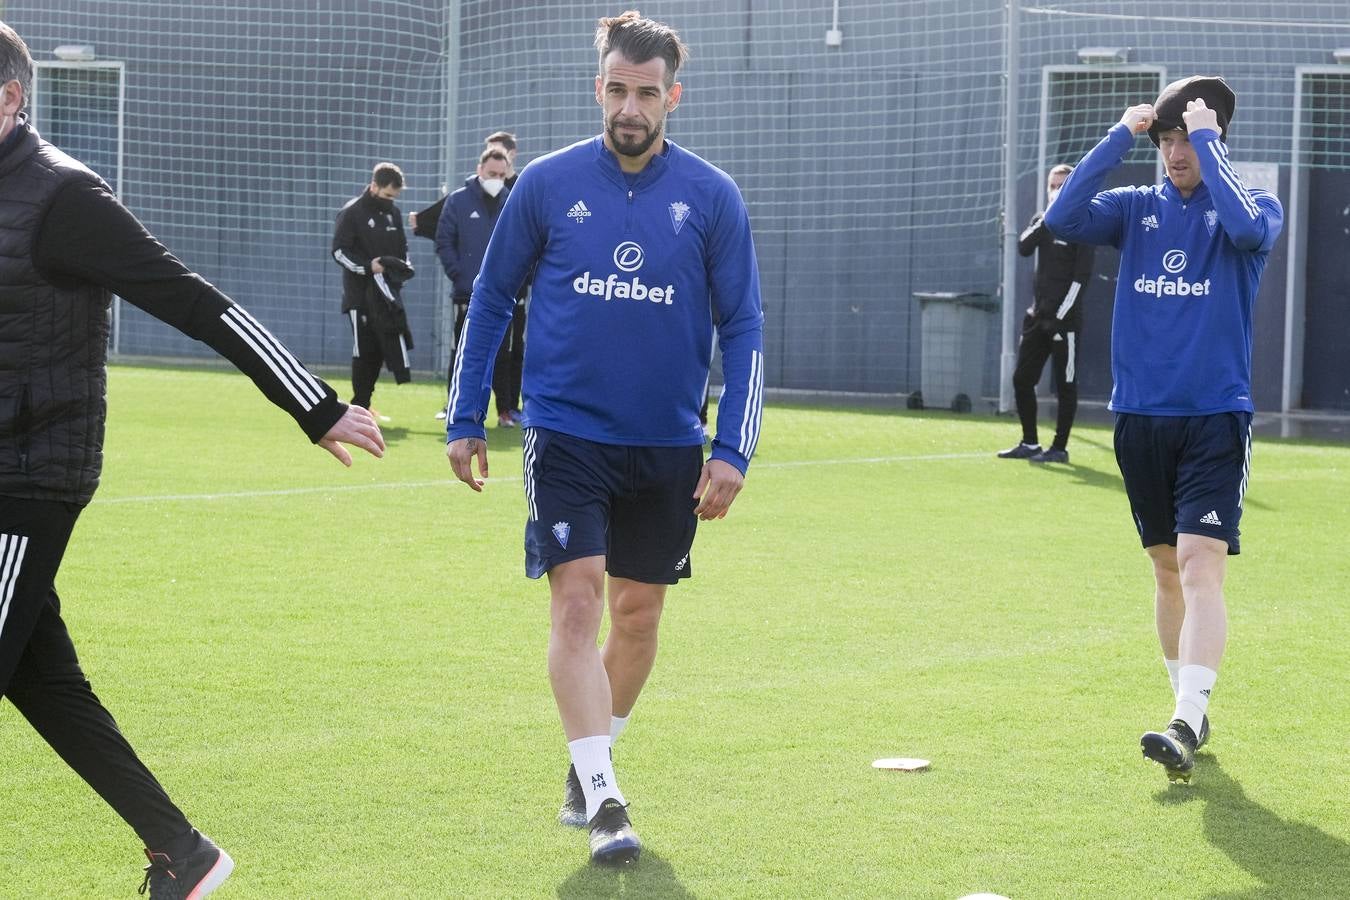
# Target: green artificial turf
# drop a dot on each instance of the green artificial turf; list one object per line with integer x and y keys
{"x": 339, "y": 674}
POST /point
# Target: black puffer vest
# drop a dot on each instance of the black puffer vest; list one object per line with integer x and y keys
{"x": 53, "y": 342}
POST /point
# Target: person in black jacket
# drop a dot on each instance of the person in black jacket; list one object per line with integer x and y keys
{"x": 66, "y": 245}
{"x": 462, "y": 234}
{"x": 369, "y": 227}
{"x": 1050, "y": 330}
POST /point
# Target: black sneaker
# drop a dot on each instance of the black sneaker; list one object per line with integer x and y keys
{"x": 1174, "y": 748}
{"x": 613, "y": 840}
{"x": 189, "y": 877}
{"x": 1050, "y": 455}
{"x": 573, "y": 812}
{"x": 1022, "y": 451}
{"x": 1204, "y": 733}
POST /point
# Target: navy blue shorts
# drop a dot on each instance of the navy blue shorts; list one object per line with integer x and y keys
{"x": 632, "y": 505}
{"x": 1185, "y": 474}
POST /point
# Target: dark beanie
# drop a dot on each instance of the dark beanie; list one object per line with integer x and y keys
{"x": 1171, "y": 103}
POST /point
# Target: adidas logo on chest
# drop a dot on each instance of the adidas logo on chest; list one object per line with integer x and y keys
{"x": 579, "y": 213}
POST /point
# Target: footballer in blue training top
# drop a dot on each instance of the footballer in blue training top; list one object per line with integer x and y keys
{"x": 1192, "y": 251}
{"x": 639, "y": 250}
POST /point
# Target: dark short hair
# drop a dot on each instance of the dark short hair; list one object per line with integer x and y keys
{"x": 387, "y": 174}
{"x": 505, "y": 138}
{"x": 16, "y": 63}
{"x": 493, "y": 153}
{"x": 639, "y": 40}
{"x": 1062, "y": 167}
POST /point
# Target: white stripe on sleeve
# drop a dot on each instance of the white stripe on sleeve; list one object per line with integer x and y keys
{"x": 754, "y": 406}
{"x": 454, "y": 376}
{"x": 1231, "y": 179}
{"x": 293, "y": 376}
{"x": 348, "y": 263}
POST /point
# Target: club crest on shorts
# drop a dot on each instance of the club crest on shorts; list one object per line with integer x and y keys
{"x": 679, "y": 214}
{"x": 561, "y": 531}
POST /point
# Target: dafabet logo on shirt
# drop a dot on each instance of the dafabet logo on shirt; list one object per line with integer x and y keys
{"x": 1174, "y": 262}
{"x": 628, "y": 257}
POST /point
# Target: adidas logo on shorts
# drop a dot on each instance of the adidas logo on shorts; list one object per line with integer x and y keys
{"x": 1211, "y": 518}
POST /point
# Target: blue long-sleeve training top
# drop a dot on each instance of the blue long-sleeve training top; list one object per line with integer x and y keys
{"x": 630, "y": 282}
{"x": 1181, "y": 334}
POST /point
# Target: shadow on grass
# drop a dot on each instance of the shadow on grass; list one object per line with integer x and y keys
{"x": 650, "y": 876}
{"x": 1086, "y": 475}
{"x": 1290, "y": 859}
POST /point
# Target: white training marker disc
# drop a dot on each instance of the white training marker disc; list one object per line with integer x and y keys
{"x": 902, "y": 764}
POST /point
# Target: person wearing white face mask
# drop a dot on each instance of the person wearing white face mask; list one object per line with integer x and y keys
{"x": 466, "y": 223}
{"x": 1050, "y": 330}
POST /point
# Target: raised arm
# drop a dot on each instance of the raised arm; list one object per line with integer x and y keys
{"x": 1251, "y": 219}
{"x": 1083, "y": 213}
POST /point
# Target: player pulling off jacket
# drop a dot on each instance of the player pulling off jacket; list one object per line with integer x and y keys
{"x": 1192, "y": 250}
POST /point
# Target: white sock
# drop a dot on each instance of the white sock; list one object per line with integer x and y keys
{"x": 1195, "y": 683}
{"x": 1173, "y": 671}
{"x": 595, "y": 770}
{"x": 616, "y": 726}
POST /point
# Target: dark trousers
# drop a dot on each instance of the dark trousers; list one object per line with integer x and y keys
{"x": 461, "y": 312}
{"x": 367, "y": 359}
{"x": 506, "y": 371}
{"x": 510, "y": 364}
{"x": 1038, "y": 345}
{"x": 40, "y": 673}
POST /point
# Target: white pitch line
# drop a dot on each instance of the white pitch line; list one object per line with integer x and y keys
{"x": 451, "y": 482}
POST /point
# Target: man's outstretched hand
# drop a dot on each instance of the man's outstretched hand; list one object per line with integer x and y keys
{"x": 358, "y": 428}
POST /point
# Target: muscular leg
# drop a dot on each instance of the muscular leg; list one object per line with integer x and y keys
{"x": 575, "y": 669}
{"x": 1169, "y": 607}
{"x": 630, "y": 648}
{"x": 1192, "y": 629}
{"x": 1203, "y": 562}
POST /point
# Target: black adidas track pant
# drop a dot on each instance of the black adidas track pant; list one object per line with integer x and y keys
{"x": 1061, "y": 348}
{"x": 41, "y": 676}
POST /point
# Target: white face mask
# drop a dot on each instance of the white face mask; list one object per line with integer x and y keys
{"x": 492, "y": 186}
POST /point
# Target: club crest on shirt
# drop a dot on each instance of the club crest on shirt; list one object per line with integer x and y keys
{"x": 561, "y": 531}
{"x": 1211, "y": 220}
{"x": 679, "y": 214}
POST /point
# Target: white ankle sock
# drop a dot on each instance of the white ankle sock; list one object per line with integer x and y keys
{"x": 616, "y": 726}
{"x": 1194, "y": 686}
{"x": 1173, "y": 670}
{"x": 595, "y": 770}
